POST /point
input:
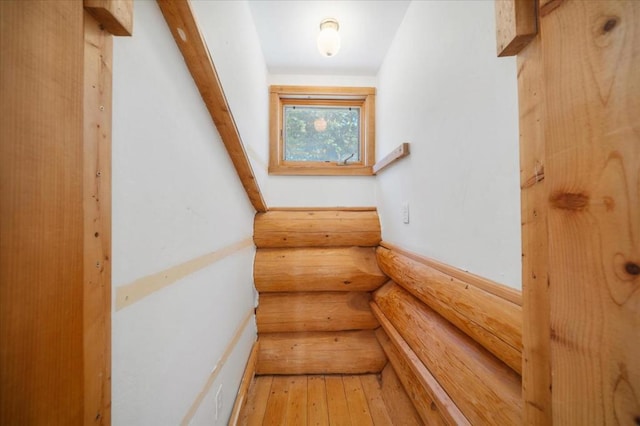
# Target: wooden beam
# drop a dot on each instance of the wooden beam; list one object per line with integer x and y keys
{"x": 516, "y": 25}
{"x": 41, "y": 213}
{"x": 317, "y": 269}
{"x": 491, "y": 321}
{"x": 316, "y": 311}
{"x": 191, "y": 43}
{"x": 485, "y": 390}
{"x": 431, "y": 401}
{"x": 345, "y": 352}
{"x": 395, "y": 155}
{"x": 115, "y": 16}
{"x": 316, "y": 229}
{"x": 98, "y": 54}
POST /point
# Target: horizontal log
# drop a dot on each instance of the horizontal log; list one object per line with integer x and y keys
{"x": 317, "y": 269}
{"x": 317, "y": 311}
{"x": 396, "y": 400}
{"x": 316, "y": 228}
{"x": 339, "y": 352}
{"x": 485, "y": 389}
{"x": 429, "y": 399}
{"x": 490, "y": 320}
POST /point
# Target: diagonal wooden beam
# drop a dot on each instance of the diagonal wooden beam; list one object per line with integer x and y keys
{"x": 186, "y": 33}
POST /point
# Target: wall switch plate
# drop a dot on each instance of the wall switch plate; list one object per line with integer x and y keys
{"x": 218, "y": 401}
{"x": 405, "y": 212}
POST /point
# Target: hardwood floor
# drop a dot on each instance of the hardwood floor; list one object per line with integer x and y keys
{"x": 315, "y": 400}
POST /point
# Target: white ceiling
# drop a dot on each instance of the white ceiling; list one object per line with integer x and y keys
{"x": 288, "y": 30}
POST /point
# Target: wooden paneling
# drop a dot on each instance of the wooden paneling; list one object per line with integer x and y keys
{"x": 590, "y": 63}
{"x": 430, "y": 400}
{"x": 492, "y": 321}
{"x": 471, "y": 376}
{"x": 41, "y": 213}
{"x": 186, "y": 33}
{"x": 536, "y": 339}
{"x": 317, "y": 269}
{"x": 346, "y": 352}
{"x": 398, "y": 403}
{"x": 98, "y": 48}
{"x": 115, "y": 16}
{"x": 516, "y": 25}
{"x": 316, "y": 229}
{"x": 282, "y": 312}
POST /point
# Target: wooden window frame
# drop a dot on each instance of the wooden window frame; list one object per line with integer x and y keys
{"x": 362, "y": 97}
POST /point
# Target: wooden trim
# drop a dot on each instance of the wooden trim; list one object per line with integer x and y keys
{"x": 115, "y": 16}
{"x": 191, "y": 43}
{"x": 395, "y": 155}
{"x": 245, "y": 384}
{"x": 493, "y": 322}
{"x": 536, "y": 328}
{"x": 98, "y": 58}
{"x": 402, "y": 352}
{"x": 325, "y": 209}
{"x": 129, "y": 294}
{"x": 216, "y": 369}
{"x": 516, "y": 25}
{"x": 497, "y": 289}
{"x": 363, "y": 97}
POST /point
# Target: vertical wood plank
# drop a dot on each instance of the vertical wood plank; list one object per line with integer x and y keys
{"x": 98, "y": 48}
{"x": 276, "y": 410}
{"x": 115, "y": 16}
{"x": 41, "y": 241}
{"x": 253, "y": 412}
{"x": 516, "y": 25}
{"x": 337, "y": 401}
{"x": 591, "y": 57}
{"x": 373, "y": 393}
{"x": 536, "y": 352}
{"x": 356, "y": 401}
{"x": 317, "y": 411}
{"x": 297, "y": 405}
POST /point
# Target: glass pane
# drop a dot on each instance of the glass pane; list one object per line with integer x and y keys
{"x": 315, "y": 133}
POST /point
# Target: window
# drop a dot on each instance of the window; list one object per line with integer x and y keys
{"x": 322, "y": 130}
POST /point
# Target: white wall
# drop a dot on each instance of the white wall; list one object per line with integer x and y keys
{"x": 233, "y": 41}
{"x": 176, "y": 197}
{"x": 442, "y": 88}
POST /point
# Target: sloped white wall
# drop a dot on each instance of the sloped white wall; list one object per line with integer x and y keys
{"x": 442, "y": 88}
{"x": 235, "y": 47}
{"x": 176, "y": 197}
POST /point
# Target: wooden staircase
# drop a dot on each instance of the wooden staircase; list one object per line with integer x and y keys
{"x": 315, "y": 271}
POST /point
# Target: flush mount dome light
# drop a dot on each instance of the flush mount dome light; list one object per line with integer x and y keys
{"x": 329, "y": 39}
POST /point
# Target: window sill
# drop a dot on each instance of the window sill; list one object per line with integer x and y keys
{"x": 321, "y": 171}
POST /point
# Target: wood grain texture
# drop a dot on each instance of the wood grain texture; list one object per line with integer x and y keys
{"x": 591, "y": 58}
{"x": 98, "y": 52}
{"x": 398, "y": 403}
{"x": 318, "y": 311}
{"x": 253, "y": 411}
{"x": 395, "y": 155}
{"x": 373, "y": 393}
{"x": 41, "y": 213}
{"x": 317, "y": 269}
{"x": 279, "y": 229}
{"x": 245, "y": 384}
{"x": 484, "y": 388}
{"x": 337, "y": 401}
{"x": 490, "y": 320}
{"x": 516, "y": 25}
{"x": 179, "y": 15}
{"x": 536, "y": 339}
{"x": 346, "y": 352}
{"x": 497, "y": 289}
{"x": 317, "y": 410}
{"x": 115, "y": 16}
{"x": 429, "y": 398}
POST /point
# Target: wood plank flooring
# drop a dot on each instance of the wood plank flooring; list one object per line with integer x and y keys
{"x": 315, "y": 400}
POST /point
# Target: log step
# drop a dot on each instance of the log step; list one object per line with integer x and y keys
{"x": 319, "y": 311}
{"x": 317, "y": 269}
{"x": 342, "y": 352}
{"x": 323, "y": 228}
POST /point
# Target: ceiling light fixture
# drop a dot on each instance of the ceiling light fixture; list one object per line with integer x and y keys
{"x": 329, "y": 39}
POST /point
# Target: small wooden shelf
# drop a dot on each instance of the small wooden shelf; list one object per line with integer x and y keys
{"x": 398, "y": 153}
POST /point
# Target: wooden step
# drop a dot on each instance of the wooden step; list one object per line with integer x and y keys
{"x": 337, "y": 352}
{"x": 318, "y": 311}
{"x": 317, "y": 269}
{"x": 322, "y": 228}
